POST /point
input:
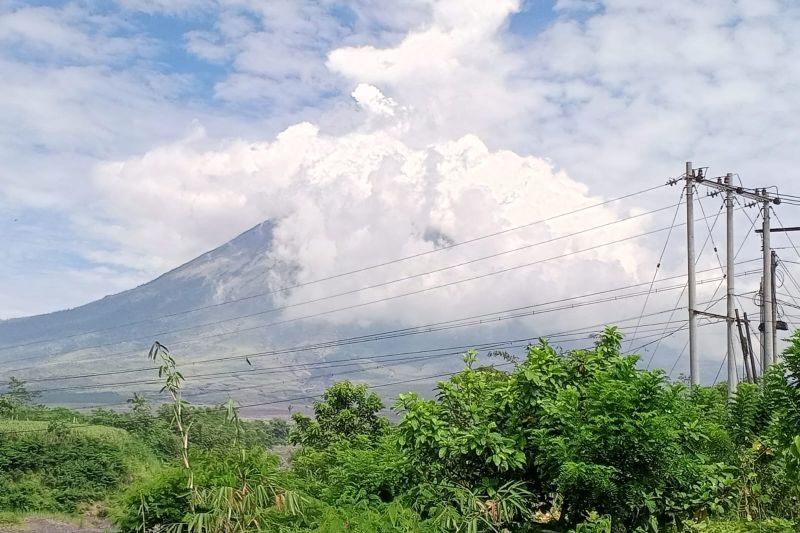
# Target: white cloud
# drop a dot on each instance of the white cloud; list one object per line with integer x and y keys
{"x": 173, "y": 7}
{"x": 454, "y": 71}
{"x": 369, "y": 97}
{"x": 68, "y": 33}
{"x": 350, "y": 200}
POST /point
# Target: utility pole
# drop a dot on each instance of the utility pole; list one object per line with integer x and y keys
{"x": 750, "y": 347}
{"x": 747, "y": 370}
{"x": 767, "y": 355}
{"x": 761, "y": 335}
{"x": 760, "y": 196}
{"x": 694, "y": 366}
{"x": 730, "y": 285}
{"x": 776, "y": 325}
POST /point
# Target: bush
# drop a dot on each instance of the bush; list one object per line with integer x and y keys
{"x": 162, "y": 498}
{"x": 770, "y": 525}
{"x": 159, "y": 499}
{"x": 54, "y": 468}
{"x": 26, "y": 494}
{"x": 351, "y": 471}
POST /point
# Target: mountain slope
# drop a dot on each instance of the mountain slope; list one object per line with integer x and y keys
{"x": 119, "y": 330}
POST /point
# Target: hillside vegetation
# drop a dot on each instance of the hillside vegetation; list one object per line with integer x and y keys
{"x": 582, "y": 441}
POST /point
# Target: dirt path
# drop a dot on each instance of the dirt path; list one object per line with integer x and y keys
{"x": 51, "y": 525}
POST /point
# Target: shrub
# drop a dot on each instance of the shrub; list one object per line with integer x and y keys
{"x": 55, "y": 468}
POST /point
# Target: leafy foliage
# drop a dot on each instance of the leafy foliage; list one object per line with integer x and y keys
{"x": 53, "y": 468}
{"x": 346, "y": 411}
{"x": 580, "y": 441}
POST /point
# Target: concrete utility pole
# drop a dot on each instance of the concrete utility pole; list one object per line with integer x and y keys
{"x": 776, "y": 325}
{"x": 767, "y": 356}
{"x": 694, "y": 366}
{"x": 760, "y": 196}
{"x": 730, "y": 285}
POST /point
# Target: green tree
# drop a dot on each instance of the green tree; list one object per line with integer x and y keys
{"x": 346, "y": 411}
{"x": 18, "y": 392}
{"x": 139, "y": 405}
{"x": 8, "y": 406}
{"x": 469, "y": 433}
{"x": 583, "y": 431}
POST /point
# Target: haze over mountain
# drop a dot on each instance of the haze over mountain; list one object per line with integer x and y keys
{"x": 115, "y": 332}
{"x": 221, "y": 312}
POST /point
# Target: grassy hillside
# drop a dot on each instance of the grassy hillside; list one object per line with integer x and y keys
{"x": 58, "y": 467}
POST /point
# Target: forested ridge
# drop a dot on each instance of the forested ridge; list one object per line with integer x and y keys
{"x": 581, "y": 440}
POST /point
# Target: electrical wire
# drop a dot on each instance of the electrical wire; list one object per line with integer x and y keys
{"x": 658, "y": 265}
{"x": 251, "y": 372}
{"x": 339, "y": 373}
{"x": 719, "y": 370}
{"x": 709, "y": 237}
{"x": 354, "y": 306}
{"x": 390, "y": 334}
{"x": 494, "y": 344}
{"x": 398, "y": 280}
{"x": 254, "y": 355}
{"x": 260, "y": 404}
{"x": 343, "y": 274}
{"x": 788, "y": 236}
{"x": 507, "y": 344}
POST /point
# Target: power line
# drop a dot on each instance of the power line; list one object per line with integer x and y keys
{"x": 709, "y": 237}
{"x": 680, "y": 296}
{"x": 339, "y": 373}
{"x": 390, "y": 332}
{"x": 719, "y": 370}
{"x": 273, "y": 402}
{"x": 788, "y": 235}
{"x": 276, "y": 370}
{"x": 658, "y": 266}
{"x": 398, "y": 280}
{"x": 495, "y": 344}
{"x": 261, "y": 354}
{"x": 711, "y": 227}
{"x": 313, "y": 363}
{"x": 507, "y": 344}
{"x": 359, "y": 305}
{"x": 436, "y": 326}
{"x": 680, "y": 355}
{"x": 789, "y": 275}
{"x": 343, "y": 274}
{"x": 240, "y": 372}
{"x": 381, "y": 385}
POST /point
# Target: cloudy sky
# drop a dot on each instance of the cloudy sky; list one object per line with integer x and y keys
{"x": 138, "y": 134}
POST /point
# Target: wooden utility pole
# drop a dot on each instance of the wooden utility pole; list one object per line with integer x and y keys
{"x": 747, "y": 370}
{"x": 750, "y": 347}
